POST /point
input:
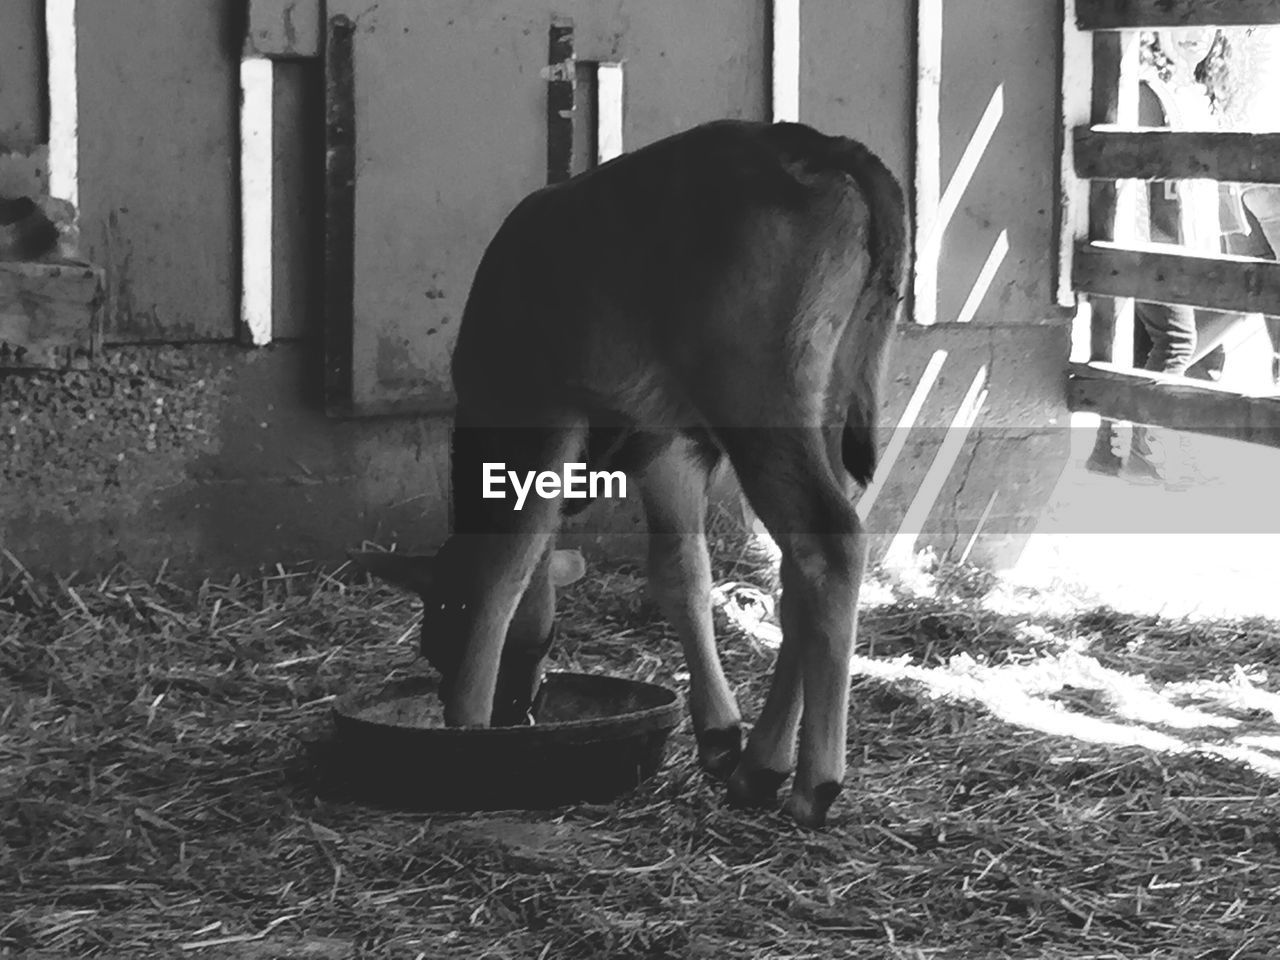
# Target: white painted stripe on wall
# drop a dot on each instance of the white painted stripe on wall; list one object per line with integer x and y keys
{"x": 786, "y": 60}
{"x": 64, "y": 108}
{"x": 609, "y": 105}
{"x": 928, "y": 153}
{"x": 257, "y": 75}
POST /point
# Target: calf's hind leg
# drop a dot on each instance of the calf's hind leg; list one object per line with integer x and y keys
{"x": 794, "y": 491}
{"x": 674, "y": 490}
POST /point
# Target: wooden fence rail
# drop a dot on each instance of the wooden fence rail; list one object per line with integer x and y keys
{"x": 1109, "y": 153}
{"x": 1149, "y": 14}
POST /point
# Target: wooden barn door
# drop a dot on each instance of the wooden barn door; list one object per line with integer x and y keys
{"x": 442, "y": 115}
{"x": 1107, "y": 155}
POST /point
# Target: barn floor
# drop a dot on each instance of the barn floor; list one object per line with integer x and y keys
{"x": 1029, "y": 778}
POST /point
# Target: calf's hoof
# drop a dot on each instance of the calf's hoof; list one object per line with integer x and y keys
{"x": 720, "y": 750}
{"x": 755, "y": 788}
{"x": 810, "y": 809}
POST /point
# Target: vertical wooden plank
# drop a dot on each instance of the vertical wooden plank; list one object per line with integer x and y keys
{"x": 22, "y": 67}
{"x": 585, "y": 126}
{"x": 158, "y": 118}
{"x": 257, "y": 204}
{"x": 928, "y": 167}
{"x": 1102, "y": 194}
{"x": 62, "y": 63}
{"x": 562, "y": 79}
{"x": 784, "y": 57}
{"x": 340, "y": 209}
{"x": 1114, "y": 100}
{"x": 610, "y": 99}
{"x": 1075, "y": 76}
{"x": 1104, "y": 108}
{"x": 298, "y": 197}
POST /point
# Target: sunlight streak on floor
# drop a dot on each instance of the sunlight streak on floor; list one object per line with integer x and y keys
{"x": 1143, "y": 715}
{"x": 1123, "y": 709}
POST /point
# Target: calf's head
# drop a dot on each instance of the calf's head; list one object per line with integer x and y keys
{"x": 449, "y": 589}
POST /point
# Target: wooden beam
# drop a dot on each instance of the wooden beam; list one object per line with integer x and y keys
{"x": 928, "y": 160}
{"x": 562, "y": 78}
{"x": 285, "y": 29}
{"x": 1114, "y": 99}
{"x": 50, "y": 315}
{"x": 1071, "y": 222}
{"x": 1108, "y": 153}
{"x": 1162, "y": 400}
{"x": 340, "y": 213}
{"x": 1150, "y": 272}
{"x": 1140, "y": 14}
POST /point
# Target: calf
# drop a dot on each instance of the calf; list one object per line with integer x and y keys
{"x": 727, "y": 293}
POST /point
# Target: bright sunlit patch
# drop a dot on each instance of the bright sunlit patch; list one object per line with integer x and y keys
{"x": 1268, "y": 742}
{"x": 1240, "y": 692}
{"x": 1138, "y": 712}
{"x": 1049, "y": 682}
{"x": 764, "y": 542}
{"x": 912, "y": 574}
{"x": 1261, "y": 761}
{"x": 750, "y": 610}
{"x": 875, "y": 593}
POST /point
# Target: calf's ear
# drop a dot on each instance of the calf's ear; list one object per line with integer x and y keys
{"x": 406, "y": 571}
{"x": 567, "y": 566}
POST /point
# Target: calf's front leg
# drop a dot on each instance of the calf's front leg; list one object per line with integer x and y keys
{"x": 674, "y": 489}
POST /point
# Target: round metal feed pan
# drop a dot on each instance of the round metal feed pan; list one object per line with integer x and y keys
{"x": 595, "y": 737}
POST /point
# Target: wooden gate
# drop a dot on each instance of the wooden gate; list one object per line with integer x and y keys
{"x": 1103, "y": 150}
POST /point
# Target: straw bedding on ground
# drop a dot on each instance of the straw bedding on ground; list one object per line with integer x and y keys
{"x": 156, "y": 793}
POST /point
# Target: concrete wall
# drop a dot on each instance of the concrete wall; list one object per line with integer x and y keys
{"x": 159, "y": 96}
{"x": 218, "y": 457}
{"x": 1000, "y": 56}
{"x": 22, "y": 111}
{"x": 210, "y": 456}
{"x": 23, "y": 116}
